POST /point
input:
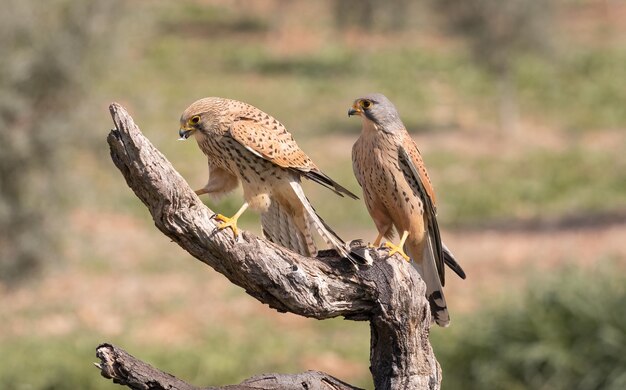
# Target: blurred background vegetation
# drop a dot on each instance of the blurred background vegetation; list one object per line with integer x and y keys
{"x": 518, "y": 108}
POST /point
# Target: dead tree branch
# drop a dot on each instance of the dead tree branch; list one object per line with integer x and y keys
{"x": 390, "y": 293}
{"x": 127, "y": 370}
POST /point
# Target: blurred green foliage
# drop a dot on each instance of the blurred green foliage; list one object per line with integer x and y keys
{"x": 44, "y": 55}
{"x": 566, "y": 332}
{"x": 580, "y": 88}
{"x": 538, "y": 185}
{"x": 191, "y": 18}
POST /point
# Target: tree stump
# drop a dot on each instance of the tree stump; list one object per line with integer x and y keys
{"x": 389, "y": 294}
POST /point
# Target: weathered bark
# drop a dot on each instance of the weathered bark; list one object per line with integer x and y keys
{"x": 390, "y": 293}
{"x": 125, "y": 369}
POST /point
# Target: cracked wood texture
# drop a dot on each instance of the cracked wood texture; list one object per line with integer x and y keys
{"x": 389, "y": 294}
{"x": 125, "y": 369}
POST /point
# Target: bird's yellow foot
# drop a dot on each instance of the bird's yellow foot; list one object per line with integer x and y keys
{"x": 231, "y": 222}
{"x": 227, "y": 223}
{"x": 396, "y": 249}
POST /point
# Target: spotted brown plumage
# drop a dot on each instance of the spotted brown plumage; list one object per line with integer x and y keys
{"x": 245, "y": 145}
{"x": 398, "y": 194}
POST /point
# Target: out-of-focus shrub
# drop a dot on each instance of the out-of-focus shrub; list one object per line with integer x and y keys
{"x": 567, "y": 333}
{"x": 44, "y": 70}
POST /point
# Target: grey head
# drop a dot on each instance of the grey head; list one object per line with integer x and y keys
{"x": 375, "y": 107}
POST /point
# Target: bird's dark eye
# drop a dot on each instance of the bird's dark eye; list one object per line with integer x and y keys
{"x": 366, "y": 104}
{"x": 194, "y": 119}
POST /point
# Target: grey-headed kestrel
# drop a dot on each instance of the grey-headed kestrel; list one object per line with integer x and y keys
{"x": 245, "y": 145}
{"x": 398, "y": 193}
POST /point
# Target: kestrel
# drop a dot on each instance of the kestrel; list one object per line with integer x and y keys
{"x": 398, "y": 193}
{"x": 245, "y": 145}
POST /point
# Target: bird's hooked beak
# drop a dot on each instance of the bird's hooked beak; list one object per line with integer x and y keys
{"x": 185, "y": 132}
{"x": 355, "y": 110}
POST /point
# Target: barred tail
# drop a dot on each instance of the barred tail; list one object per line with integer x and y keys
{"x": 434, "y": 289}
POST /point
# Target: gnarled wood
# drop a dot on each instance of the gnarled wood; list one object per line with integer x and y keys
{"x": 127, "y": 370}
{"x": 390, "y": 293}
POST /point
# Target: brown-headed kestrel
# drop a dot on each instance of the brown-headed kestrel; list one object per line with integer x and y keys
{"x": 245, "y": 145}
{"x": 398, "y": 193}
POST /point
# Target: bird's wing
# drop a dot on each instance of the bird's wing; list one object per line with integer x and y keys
{"x": 267, "y": 138}
{"x": 451, "y": 262}
{"x": 413, "y": 166}
{"x": 357, "y": 151}
{"x": 271, "y": 141}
